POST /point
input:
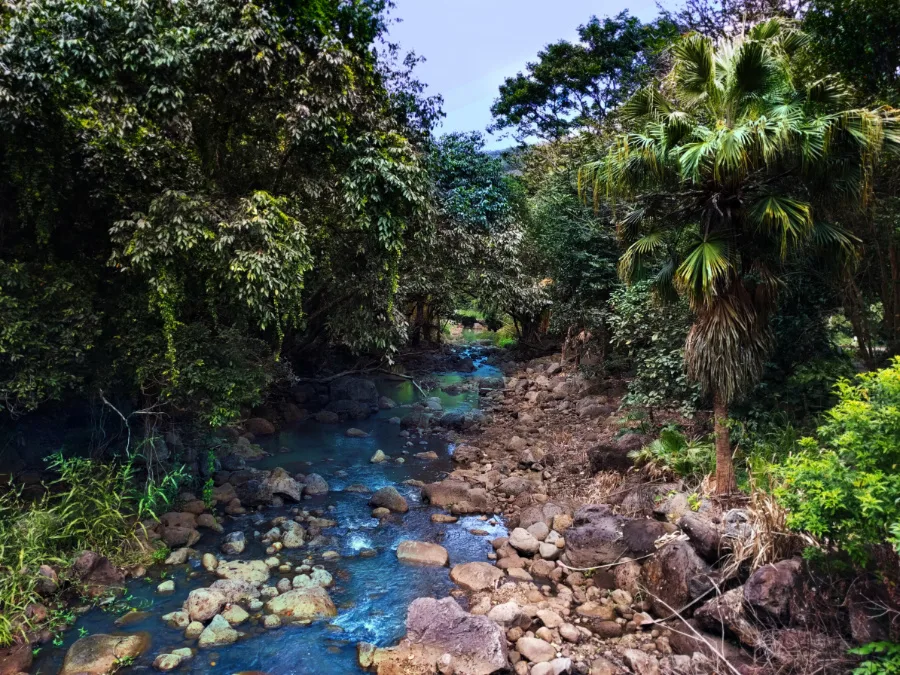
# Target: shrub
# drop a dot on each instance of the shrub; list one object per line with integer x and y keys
{"x": 843, "y": 485}
{"x": 673, "y": 455}
{"x": 90, "y": 506}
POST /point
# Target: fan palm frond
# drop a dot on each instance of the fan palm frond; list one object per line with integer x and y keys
{"x": 695, "y": 68}
{"x": 633, "y": 263}
{"x": 789, "y": 219}
{"x": 704, "y": 270}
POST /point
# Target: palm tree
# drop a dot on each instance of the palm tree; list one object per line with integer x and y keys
{"x": 735, "y": 164}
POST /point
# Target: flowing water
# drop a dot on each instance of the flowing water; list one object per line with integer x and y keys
{"x": 371, "y": 593}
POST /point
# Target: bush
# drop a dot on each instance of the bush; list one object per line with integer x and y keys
{"x": 843, "y": 485}
{"x": 91, "y": 506}
{"x": 651, "y": 336}
{"x": 672, "y": 455}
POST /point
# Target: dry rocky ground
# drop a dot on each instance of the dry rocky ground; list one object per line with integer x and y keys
{"x": 603, "y": 572}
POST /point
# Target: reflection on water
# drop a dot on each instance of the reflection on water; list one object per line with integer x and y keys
{"x": 372, "y": 589}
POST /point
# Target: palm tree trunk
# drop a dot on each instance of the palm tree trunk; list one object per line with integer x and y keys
{"x": 725, "y": 481}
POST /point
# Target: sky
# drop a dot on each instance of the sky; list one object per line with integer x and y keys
{"x": 471, "y": 46}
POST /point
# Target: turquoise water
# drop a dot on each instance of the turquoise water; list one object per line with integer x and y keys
{"x": 371, "y": 593}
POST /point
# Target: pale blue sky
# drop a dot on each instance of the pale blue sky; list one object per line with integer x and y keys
{"x": 472, "y": 45}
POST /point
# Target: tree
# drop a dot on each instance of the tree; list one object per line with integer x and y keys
{"x": 719, "y": 19}
{"x": 573, "y": 85}
{"x": 471, "y": 250}
{"x": 859, "y": 39}
{"x": 735, "y": 164}
{"x": 199, "y": 173}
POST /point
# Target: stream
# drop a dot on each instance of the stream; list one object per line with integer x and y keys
{"x": 372, "y": 588}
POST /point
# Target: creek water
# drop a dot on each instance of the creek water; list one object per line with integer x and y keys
{"x": 371, "y": 593}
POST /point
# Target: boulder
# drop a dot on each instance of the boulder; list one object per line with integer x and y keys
{"x": 640, "y": 535}
{"x": 97, "y": 573}
{"x": 668, "y": 574}
{"x": 218, "y": 633}
{"x": 15, "y": 659}
{"x": 535, "y": 649}
{"x": 281, "y": 483}
{"x": 259, "y": 426}
{"x": 327, "y": 417}
{"x": 357, "y": 389}
{"x": 418, "y": 419}
{"x": 253, "y": 572}
{"x": 771, "y": 590}
{"x": 254, "y": 491}
{"x": 422, "y": 553}
{"x": 514, "y": 486}
{"x": 523, "y": 541}
{"x": 457, "y": 495}
{"x": 476, "y": 576}
{"x": 234, "y": 543}
{"x": 175, "y": 537}
{"x": 315, "y": 485}
{"x": 202, "y": 604}
{"x": 727, "y": 611}
{"x": 302, "y": 604}
{"x": 235, "y": 590}
{"x": 705, "y": 535}
{"x": 476, "y": 644}
{"x": 388, "y": 498}
{"x": 101, "y": 654}
{"x": 595, "y": 538}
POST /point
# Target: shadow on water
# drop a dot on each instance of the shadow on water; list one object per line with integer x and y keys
{"x": 371, "y": 593}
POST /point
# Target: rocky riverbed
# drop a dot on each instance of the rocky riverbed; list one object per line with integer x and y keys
{"x": 432, "y": 537}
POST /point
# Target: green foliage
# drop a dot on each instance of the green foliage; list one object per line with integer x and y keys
{"x": 885, "y": 661}
{"x": 674, "y": 456}
{"x": 47, "y": 332}
{"x": 651, "y": 336}
{"x": 717, "y": 176}
{"x": 473, "y": 253}
{"x": 91, "y": 505}
{"x": 184, "y": 176}
{"x": 572, "y": 85}
{"x": 858, "y": 38}
{"x": 843, "y": 485}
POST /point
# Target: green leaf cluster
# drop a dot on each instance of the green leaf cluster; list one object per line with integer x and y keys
{"x": 843, "y": 484}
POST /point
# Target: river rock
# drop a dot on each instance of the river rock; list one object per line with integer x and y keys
{"x": 641, "y": 663}
{"x": 378, "y": 457}
{"x": 101, "y": 654}
{"x": 727, "y": 611}
{"x": 315, "y": 485}
{"x": 259, "y": 426}
{"x": 234, "y": 543}
{"x": 388, "y": 498}
{"x": 235, "y": 615}
{"x": 535, "y": 649}
{"x": 202, "y": 604}
{"x": 477, "y": 645}
{"x": 218, "y": 633}
{"x": 97, "y": 573}
{"x": 544, "y": 513}
{"x": 254, "y": 572}
{"x": 280, "y": 482}
{"x": 476, "y": 576}
{"x": 595, "y": 538}
{"x": 235, "y": 590}
{"x": 668, "y": 574}
{"x": 422, "y": 553}
{"x": 458, "y": 496}
{"x": 167, "y": 662}
{"x": 302, "y": 604}
{"x": 353, "y": 432}
{"x": 357, "y": 389}
{"x": 522, "y": 540}
{"x": 327, "y": 417}
{"x": 554, "y": 667}
{"x": 770, "y": 590}
{"x": 508, "y": 615}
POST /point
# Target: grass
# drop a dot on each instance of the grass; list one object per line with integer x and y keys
{"x": 90, "y": 506}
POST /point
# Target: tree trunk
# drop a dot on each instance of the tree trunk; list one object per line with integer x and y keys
{"x": 725, "y": 481}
